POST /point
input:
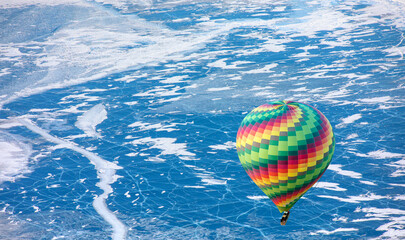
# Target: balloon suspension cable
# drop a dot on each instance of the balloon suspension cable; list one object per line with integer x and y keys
{"x": 284, "y": 218}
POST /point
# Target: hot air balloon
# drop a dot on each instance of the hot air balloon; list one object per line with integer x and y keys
{"x": 285, "y": 147}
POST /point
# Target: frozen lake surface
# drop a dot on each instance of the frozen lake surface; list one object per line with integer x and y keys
{"x": 118, "y": 118}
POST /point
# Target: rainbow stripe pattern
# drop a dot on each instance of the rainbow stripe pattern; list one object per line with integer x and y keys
{"x": 285, "y": 147}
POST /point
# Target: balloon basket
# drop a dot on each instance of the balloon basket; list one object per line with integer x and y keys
{"x": 284, "y": 218}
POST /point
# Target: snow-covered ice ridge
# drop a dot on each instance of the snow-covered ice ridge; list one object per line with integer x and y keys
{"x": 106, "y": 172}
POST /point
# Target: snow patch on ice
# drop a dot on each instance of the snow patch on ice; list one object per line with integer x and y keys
{"x": 265, "y": 69}
{"x": 207, "y": 177}
{"x": 90, "y": 119}
{"x": 158, "y": 127}
{"x": 226, "y": 146}
{"x": 368, "y": 183}
{"x": 329, "y": 186}
{"x": 380, "y": 154}
{"x": 222, "y": 64}
{"x": 376, "y": 100}
{"x": 356, "y": 199}
{"x": 187, "y": 186}
{"x": 326, "y": 232}
{"x": 14, "y": 158}
{"x": 400, "y": 165}
{"x": 168, "y": 146}
{"x": 257, "y": 197}
{"x": 351, "y": 136}
{"x": 209, "y": 180}
{"x": 348, "y": 120}
{"x": 175, "y": 79}
{"x": 218, "y": 89}
{"x": 320, "y": 20}
{"x": 24, "y": 3}
{"x": 338, "y": 169}
{"x": 394, "y": 229}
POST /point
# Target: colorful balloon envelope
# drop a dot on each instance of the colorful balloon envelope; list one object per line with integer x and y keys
{"x": 285, "y": 147}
